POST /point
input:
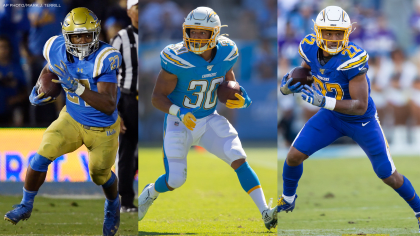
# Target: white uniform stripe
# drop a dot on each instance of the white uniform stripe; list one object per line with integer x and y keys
{"x": 387, "y": 148}
{"x": 297, "y": 136}
{"x": 47, "y": 48}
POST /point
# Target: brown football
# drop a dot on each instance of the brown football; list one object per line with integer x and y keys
{"x": 302, "y": 75}
{"x": 49, "y": 88}
{"x": 227, "y": 90}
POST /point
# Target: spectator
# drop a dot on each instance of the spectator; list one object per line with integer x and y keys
{"x": 13, "y": 93}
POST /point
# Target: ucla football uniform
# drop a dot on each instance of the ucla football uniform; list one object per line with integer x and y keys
{"x": 78, "y": 123}
{"x": 196, "y": 87}
{"x": 326, "y": 126}
{"x": 100, "y": 66}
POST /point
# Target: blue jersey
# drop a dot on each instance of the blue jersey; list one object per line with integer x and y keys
{"x": 333, "y": 78}
{"x": 100, "y": 66}
{"x": 198, "y": 79}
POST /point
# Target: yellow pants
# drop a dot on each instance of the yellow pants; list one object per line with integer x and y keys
{"x": 65, "y": 135}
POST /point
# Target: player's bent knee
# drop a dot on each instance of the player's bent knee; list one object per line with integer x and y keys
{"x": 99, "y": 177}
{"x": 176, "y": 180}
{"x": 295, "y": 157}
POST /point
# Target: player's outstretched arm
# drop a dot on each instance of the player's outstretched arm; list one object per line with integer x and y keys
{"x": 358, "y": 104}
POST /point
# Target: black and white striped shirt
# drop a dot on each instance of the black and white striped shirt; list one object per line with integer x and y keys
{"x": 126, "y": 42}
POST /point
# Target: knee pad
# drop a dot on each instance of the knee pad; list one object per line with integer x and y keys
{"x": 383, "y": 170}
{"x": 100, "y": 177}
{"x": 40, "y": 163}
{"x": 177, "y": 172}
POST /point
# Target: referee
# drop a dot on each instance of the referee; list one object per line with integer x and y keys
{"x": 126, "y": 42}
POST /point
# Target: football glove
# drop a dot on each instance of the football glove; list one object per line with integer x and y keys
{"x": 65, "y": 77}
{"x": 285, "y": 89}
{"x": 242, "y": 102}
{"x": 313, "y": 96}
{"x": 36, "y": 100}
{"x": 186, "y": 116}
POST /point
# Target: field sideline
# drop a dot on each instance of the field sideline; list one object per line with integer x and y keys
{"x": 344, "y": 196}
{"x": 52, "y": 216}
{"x": 211, "y": 202}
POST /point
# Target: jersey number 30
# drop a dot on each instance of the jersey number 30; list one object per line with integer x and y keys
{"x": 206, "y": 95}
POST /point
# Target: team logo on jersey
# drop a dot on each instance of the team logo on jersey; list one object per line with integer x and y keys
{"x": 80, "y": 70}
{"x": 176, "y": 123}
{"x": 322, "y": 71}
{"x": 210, "y": 67}
{"x": 109, "y": 133}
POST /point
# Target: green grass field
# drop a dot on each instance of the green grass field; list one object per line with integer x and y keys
{"x": 62, "y": 217}
{"x": 211, "y": 202}
{"x": 344, "y": 196}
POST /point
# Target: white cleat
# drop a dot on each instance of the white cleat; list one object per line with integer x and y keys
{"x": 145, "y": 201}
{"x": 270, "y": 216}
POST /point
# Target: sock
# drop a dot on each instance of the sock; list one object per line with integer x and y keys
{"x": 259, "y": 199}
{"x": 250, "y": 183}
{"x": 28, "y": 198}
{"x": 291, "y": 176}
{"x": 289, "y": 199}
{"x": 407, "y": 192}
{"x": 160, "y": 185}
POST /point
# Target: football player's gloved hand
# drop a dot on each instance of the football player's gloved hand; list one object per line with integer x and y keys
{"x": 37, "y": 100}
{"x": 65, "y": 77}
{"x": 187, "y": 117}
{"x": 242, "y": 102}
{"x": 285, "y": 89}
{"x": 313, "y": 96}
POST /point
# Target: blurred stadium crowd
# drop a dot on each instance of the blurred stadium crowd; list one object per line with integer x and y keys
{"x": 23, "y": 33}
{"x": 252, "y": 26}
{"x": 390, "y": 32}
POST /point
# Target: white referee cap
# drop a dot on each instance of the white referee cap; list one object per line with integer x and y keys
{"x": 131, "y": 3}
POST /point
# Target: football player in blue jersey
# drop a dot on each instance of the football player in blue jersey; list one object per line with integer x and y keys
{"x": 86, "y": 68}
{"x": 186, "y": 90}
{"x": 342, "y": 89}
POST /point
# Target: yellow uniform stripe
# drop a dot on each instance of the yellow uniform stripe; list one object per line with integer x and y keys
{"x": 363, "y": 59}
{"x": 252, "y": 189}
{"x": 100, "y": 60}
{"x": 177, "y": 62}
{"x": 49, "y": 42}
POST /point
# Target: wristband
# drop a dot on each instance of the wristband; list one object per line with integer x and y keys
{"x": 80, "y": 89}
{"x": 173, "y": 110}
{"x": 330, "y": 103}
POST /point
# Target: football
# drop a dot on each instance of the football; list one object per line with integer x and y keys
{"x": 302, "y": 75}
{"x": 227, "y": 90}
{"x": 49, "y": 88}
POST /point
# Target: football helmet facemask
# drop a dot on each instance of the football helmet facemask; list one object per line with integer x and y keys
{"x": 332, "y": 18}
{"x": 202, "y": 18}
{"x": 81, "y": 21}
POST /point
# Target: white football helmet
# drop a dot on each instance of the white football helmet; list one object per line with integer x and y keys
{"x": 203, "y": 18}
{"x": 332, "y": 18}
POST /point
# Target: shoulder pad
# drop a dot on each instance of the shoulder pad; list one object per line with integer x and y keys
{"x": 47, "y": 47}
{"x": 107, "y": 59}
{"x": 305, "y": 45}
{"x": 175, "y": 54}
{"x": 229, "y": 48}
{"x": 354, "y": 56}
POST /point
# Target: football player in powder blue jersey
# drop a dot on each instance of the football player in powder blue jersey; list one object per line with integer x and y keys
{"x": 86, "y": 68}
{"x": 186, "y": 90}
{"x": 341, "y": 88}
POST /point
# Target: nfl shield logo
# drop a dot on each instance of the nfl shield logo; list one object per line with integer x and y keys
{"x": 176, "y": 123}
{"x": 210, "y": 67}
{"x": 322, "y": 71}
